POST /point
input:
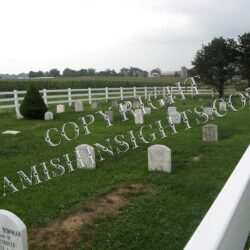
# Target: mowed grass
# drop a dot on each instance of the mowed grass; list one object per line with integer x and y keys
{"x": 165, "y": 218}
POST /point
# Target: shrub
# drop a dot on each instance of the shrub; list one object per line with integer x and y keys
{"x": 33, "y": 106}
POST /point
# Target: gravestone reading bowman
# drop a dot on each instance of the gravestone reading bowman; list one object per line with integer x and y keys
{"x": 139, "y": 116}
{"x": 208, "y": 110}
{"x": 171, "y": 109}
{"x": 148, "y": 110}
{"x": 60, "y": 108}
{"x": 175, "y": 117}
{"x": 78, "y": 106}
{"x": 159, "y": 158}
{"x": 85, "y": 151}
{"x": 223, "y": 106}
{"x": 94, "y": 105}
{"x": 210, "y": 132}
{"x": 48, "y": 116}
{"x": 110, "y": 114}
{"x": 13, "y": 232}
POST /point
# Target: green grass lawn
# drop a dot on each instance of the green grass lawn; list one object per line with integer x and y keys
{"x": 164, "y": 218}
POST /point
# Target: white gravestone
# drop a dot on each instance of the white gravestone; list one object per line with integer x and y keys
{"x": 148, "y": 110}
{"x": 94, "y": 105}
{"x": 87, "y": 155}
{"x": 171, "y": 109}
{"x": 136, "y": 104}
{"x": 110, "y": 114}
{"x": 13, "y": 232}
{"x": 78, "y": 106}
{"x": 159, "y": 158}
{"x": 175, "y": 117}
{"x": 208, "y": 110}
{"x": 139, "y": 116}
{"x": 223, "y": 106}
{"x": 60, "y": 108}
{"x": 210, "y": 132}
{"x": 48, "y": 116}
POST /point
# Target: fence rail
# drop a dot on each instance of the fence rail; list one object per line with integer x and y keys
{"x": 227, "y": 223}
{"x": 12, "y": 99}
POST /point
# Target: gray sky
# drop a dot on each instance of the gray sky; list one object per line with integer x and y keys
{"x": 45, "y": 34}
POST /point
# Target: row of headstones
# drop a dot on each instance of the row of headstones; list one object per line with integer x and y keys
{"x": 175, "y": 116}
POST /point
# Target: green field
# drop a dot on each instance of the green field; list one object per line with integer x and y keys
{"x": 163, "y": 217}
{"x": 85, "y": 82}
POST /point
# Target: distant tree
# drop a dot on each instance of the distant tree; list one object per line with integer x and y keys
{"x": 91, "y": 72}
{"x": 157, "y": 71}
{"x": 54, "y": 73}
{"x": 216, "y": 62}
{"x": 124, "y": 72}
{"x": 33, "y": 106}
{"x": 70, "y": 73}
{"x": 36, "y": 74}
{"x": 244, "y": 56}
{"x": 83, "y": 72}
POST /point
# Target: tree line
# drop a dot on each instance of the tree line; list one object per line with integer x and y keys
{"x": 221, "y": 60}
{"x": 132, "y": 71}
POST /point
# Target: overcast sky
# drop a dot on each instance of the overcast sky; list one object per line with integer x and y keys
{"x": 45, "y": 34}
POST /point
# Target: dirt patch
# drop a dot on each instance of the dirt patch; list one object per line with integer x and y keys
{"x": 63, "y": 234}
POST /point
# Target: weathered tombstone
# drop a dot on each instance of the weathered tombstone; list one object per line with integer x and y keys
{"x": 210, "y": 132}
{"x": 13, "y": 232}
{"x": 94, "y": 105}
{"x": 78, "y": 106}
{"x": 208, "y": 110}
{"x": 159, "y": 158}
{"x": 175, "y": 117}
{"x": 171, "y": 109}
{"x": 60, "y": 108}
{"x": 110, "y": 114}
{"x": 148, "y": 110}
{"x": 139, "y": 116}
{"x": 48, "y": 116}
{"x": 136, "y": 104}
{"x": 223, "y": 106}
{"x": 86, "y": 152}
{"x": 114, "y": 104}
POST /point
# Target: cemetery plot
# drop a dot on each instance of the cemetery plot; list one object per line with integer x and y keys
{"x": 174, "y": 206}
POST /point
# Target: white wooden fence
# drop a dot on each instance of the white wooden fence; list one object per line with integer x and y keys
{"x": 227, "y": 223}
{"x": 13, "y": 99}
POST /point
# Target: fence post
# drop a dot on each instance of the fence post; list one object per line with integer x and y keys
{"x": 212, "y": 92}
{"x": 107, "y": 93}
{"x": 18, "y": 115}
{"x": 69, "y": 97}
{"x": 134, "y": 91}
{"x": 146, "y": 93}
{"x": 45, "y": 98}
{"x": 121, "y": 93}
{"x": 90, "y": 99}
{"x": 155, "y": 90}
{"x": 164, "y": 91}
